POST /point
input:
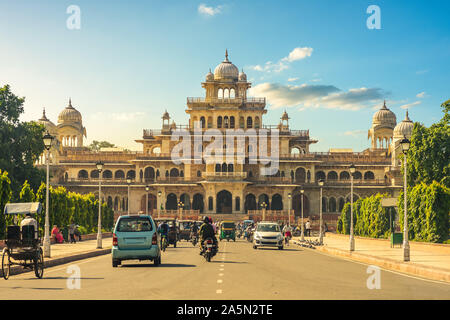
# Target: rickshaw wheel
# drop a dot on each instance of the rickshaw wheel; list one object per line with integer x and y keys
{"x": 6, "y": 264}
{"x": 39, "y": 264}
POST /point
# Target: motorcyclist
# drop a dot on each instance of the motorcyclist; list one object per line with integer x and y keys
{"x": 206, "y": 231}
{"x": 163, "y": 230}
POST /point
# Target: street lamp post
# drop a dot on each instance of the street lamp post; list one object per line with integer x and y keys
{"x": 264, "y": 205}
{"x": 159, "y": 208}
{"x": 180, "y": 207}
{"x": 405, "y": 143}
{"x": 48, "y": 139}
{"x": 147, "y": 189}
{"x": 289, "y": 202}
{"x": 128, "y": 198}
{"x": 320, "y": 227}
{"x": 303, "y": 233}
{"x": 99, "y": 166}
{"x": 352, "y": 237}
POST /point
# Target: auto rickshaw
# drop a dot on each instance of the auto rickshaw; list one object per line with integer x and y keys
{"x": 227, "y": 230}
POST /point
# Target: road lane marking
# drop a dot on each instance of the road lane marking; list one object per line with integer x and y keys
{"x": 219, "y": 291}
{"x": 219, "y": 281}
{"x": 220, "y": 274}
{"x": 221, "y": 269}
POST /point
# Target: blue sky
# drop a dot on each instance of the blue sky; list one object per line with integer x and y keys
{"x": 131, "y": 60}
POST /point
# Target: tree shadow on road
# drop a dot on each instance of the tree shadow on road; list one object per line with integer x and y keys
{"x": 64, "y": 278}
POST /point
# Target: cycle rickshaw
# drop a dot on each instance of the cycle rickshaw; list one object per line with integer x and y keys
{"x": 22, "y": 243}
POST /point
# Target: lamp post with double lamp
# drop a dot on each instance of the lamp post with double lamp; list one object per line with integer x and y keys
{"x": 48, "y": 140}
{"x": 303, "y": 233}
{"x": 99, "y": 166}
{"x": 320, "y": 227}
{"x": 405, "y": 143}
{"x": 264, "y": 205}
{"x": 147, "y": 189}
{"x": 289, "y": 202}
{"x": 159, "y": 208}
{"x": 352, "y": 237}
{"x": 180, "y": 207}
{"x": 128, "y": 198}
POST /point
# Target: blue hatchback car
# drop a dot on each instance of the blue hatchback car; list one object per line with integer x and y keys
{"x": 135, "y": 237}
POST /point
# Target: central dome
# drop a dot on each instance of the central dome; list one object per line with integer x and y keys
{"x": 226, "y": 70}
{"x": 69, "y": 114}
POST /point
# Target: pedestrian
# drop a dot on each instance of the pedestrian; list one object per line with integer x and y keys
{"x": 72, "y": 228}
{"x": 77, "y": 233}
{"x": 308, "y": 228}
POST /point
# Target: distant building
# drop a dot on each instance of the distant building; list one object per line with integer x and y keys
{"x": 227, "y": 187}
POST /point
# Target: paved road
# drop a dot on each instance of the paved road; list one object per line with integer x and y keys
{"x": 237, "y": 272}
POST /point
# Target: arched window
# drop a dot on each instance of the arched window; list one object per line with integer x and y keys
{"x": 210, "y": 122}
{"x": 232, "y": 94}
{"x": 119, "y": 174}
{"x": 332, "y": 204}
{"x": 344, "y": 175}
{"x": 218, "y": 167}
{"x": 238, "y": 203}
{"x": 332, "y": 175}
{"x": 94, "y": 174}
{"x": 174, "y": 172}
{"x": 131, "y": 174}
{"x": 357, "y": 175}
{"x": 230, "y": 167}
{"x": 225, "y": 122}
{"x": 320, "y": 175}
{"x": 83, "y": 175}
{"x": 249, "y": 122}
{"x": 224, "y": 167}
{"x": 210, "y": 204}
{"x": 199, "y": 174}
{"x": 202, "y": 122}
{"x": 369, "y": 175}
{"x": 256, "y": 122}
{"x": 324, "y": 204}
{"x": 219, "y": 122}
{"x": 107, "y": 174}
{"x": 232, "y": 122}
{"x": 220, "y": 93}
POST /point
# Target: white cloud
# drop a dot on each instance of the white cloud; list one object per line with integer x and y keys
{"x": 354, "y": 133}
{"x": 292, "y": 79}
{"x": 307, "y": 96}
{"x": 422, "y": 71}
{"x": 409, "y": 105}
{"x": 421, "y": 95}
{"x": 283, "y": 64}
{"x": 209, "y": 11}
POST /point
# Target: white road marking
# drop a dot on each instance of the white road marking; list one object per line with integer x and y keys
{"x": 218, "y": 291}
{"x": 220, "y": 274}
{"x": 219, "y": 281}
{"x": 221, "y": 269}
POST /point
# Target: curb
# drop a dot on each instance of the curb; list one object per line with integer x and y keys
{"x": 61, "y": 260}
{"x": 431, "y": 273}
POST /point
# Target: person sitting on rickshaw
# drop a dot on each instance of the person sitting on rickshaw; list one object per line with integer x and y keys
{"x": 30, "y": 221}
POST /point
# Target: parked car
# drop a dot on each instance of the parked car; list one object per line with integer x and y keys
{"x": 135, "y": 237}
{"x": 267, "y": 234}
{"x": 174, "y": 230}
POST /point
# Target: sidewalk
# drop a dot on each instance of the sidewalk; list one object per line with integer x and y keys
{"x": 428, "y": 260}
{"x": 66, "y": 252}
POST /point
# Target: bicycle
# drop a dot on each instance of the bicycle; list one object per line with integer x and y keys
{"x": 164, "y": 243}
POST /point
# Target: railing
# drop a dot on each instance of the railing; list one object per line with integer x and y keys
{"x": 225, "y": 100}
{"x": 242, "y": 175}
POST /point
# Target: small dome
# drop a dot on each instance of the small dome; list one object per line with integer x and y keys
{"x": 166, "y": 115}
{"x": 242, "y": 76}
{"x": 285, "y": 116}
{"x": 50, "y": 126}
{"x": 384, "y": 117}
{"x": 69, "y": 114}
{"x": 210, "y": 76}
{"x": 173, "y": 125}
{"x": 226, "y": 70}
{"x": 404, "y": 128}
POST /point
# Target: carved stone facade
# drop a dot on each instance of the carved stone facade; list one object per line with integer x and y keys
{"x": 227, "y": 186}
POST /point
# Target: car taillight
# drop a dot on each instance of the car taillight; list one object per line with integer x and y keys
{"x": 114, "y": 239}
{"x": 209, "y": 241}
{"x": 154, "y": 239}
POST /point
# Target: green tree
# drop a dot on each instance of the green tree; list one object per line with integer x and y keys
{"x": 97, "y": 145}
{"x": 20, "y": 143}
{"x": 5, "y": 196}
{"x": 26, "y": 194}
{"x": 429, "y": 154}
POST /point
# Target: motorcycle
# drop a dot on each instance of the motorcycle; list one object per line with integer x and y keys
{"x": 239, "y": 234}
{"x": 209, "y": 249}
{"x": 194, "y": 239}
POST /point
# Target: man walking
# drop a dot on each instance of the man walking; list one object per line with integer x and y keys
{"x": 72, "y": 228}
{"x": 308, "y": 228}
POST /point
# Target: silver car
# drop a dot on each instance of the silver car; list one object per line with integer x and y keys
{"x": 268, "y": 234}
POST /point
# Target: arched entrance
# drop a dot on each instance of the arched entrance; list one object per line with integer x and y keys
{"x": 263, "y": 198}
{"x": 186, "y": 201}
{"x": 300, "y": 175}
{"x": 250, "y": 202}
{"x": 277, "y": 202}
{"x": 149, "y": 174}
{"x": 171, "y": 202}
{"x": 197, "y": 202}
{"x": 297, "y": 205}
{"x": 224, "y": 202}
{"x": 151, "y": 203}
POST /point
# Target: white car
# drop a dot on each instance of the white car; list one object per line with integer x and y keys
{"x": 268, "y": 234}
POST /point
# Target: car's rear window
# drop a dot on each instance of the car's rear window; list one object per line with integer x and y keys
{"x": 134, "y": 224}
{"x": 228, "y": 225}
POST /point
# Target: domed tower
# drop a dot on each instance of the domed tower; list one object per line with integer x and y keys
{"x": 70, "y": 127}
{"x": 165, "y": 121}
{"x": 284, "y": 123}
{"x": 49, "y": 125}
{"x": 401, "y": 130}
{"x": 52, "y": 129}
{"x": 383, "y": 124}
